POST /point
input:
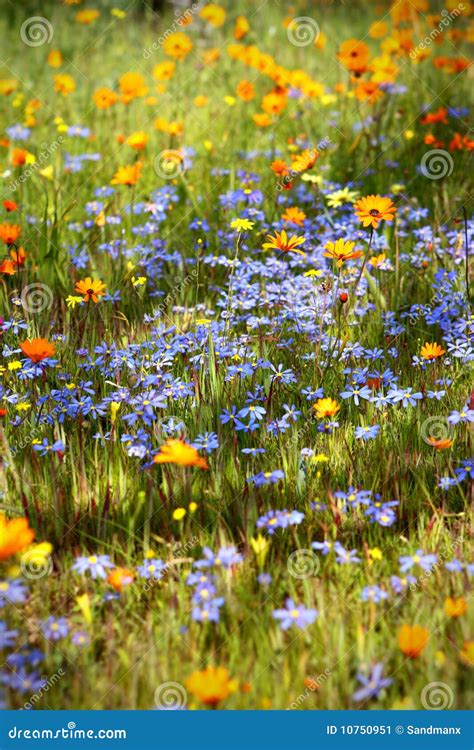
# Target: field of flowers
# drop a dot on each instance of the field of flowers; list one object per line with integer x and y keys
{"x": 236, "y": 334}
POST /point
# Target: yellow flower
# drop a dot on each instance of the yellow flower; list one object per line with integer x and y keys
{"x": 339, "y": 197}
{"x": 375, "y": 554}
{"x": 84, "y": 604}
{"x": 211, "y": 685}
{"x": 314, "y": 272}
{"x": 241, "y": 224}
{"x": 260, "y": 545}
{"x": 230, "y": 100}
{"x": 192, "y": 507}
{"x": 140, "y": 281}
{"x": 23, "y": 406}
{"x": 72, "y": 301}
{"x": 118, "y": 13}
{"x": 409, "y": 134}
{"x": 15, "y": 365}
{"x": 114, "y": 407}
{"x": 179, "y": 514}
{"x": 326, "y": 407}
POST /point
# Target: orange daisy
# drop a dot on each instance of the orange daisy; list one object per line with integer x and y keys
{"x": 92, "y": 289}
{"x": 341, "y": 250}
{"x": 373, "y": 209}
{"x": 281, "y": 241}
{"x": 432, "y": 351}
{"x": 127, "y": 175}
{"x": 37, "y": 349}
{"x": 180, "y": 453}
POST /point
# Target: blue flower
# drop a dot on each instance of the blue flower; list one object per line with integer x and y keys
{"x": 95, "y": 564}
{"x": 373, "y": 594}
{"x": 295, "y": 614}
{"x": 367, "y": 433}
{"x": 372, "y": 685}
{"x": 425, "y": 562}
{"x": 55, "y": 628}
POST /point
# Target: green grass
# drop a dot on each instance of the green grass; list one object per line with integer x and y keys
{"x": 97, "y": 499}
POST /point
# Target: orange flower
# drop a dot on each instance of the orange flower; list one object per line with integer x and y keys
{"x": 241, "y": 28}
{"x": 306, "y": 160}
{"x": 282, "y": 242}
{"x": 120, "y": 577}
{"x": 439, "y": 445}
{"x": 368, "y": 91}
{"x": 9, "y": 233}
{"x": 127, "y": 175}
{"x": 294, "y": 215}
{"x": 455, "y": 607}
{"x": 10, "y": 206}
{"x": 15, "y": 535}
{"x": 412, "y": 640}
{"x": 18, "y": 256}
{"x": 7, "y": 267}
{"x": 245, "y": 91}
{"x": 212, "y": 685}
{"x": 432, "y": 351}
{"x": 214, "y": 14}
{"x": 279, "y": 167}
{"x": 37, "y": 349}
{"x": 326, "y": 407}
{"x": 341, "y": 250}
{"x": 55, "y": 58}
{"x": 87, "y": 16}
{"x": 19, "y": 157}
{"x": 372, "y": 209}
{"x": 92, "y": 289}
{"x": 180, "y": 453}
{"x": 164, "y": 71}
{"x": 132, "y": 85}
{"x": 137, "y": 140}
{"x": 467, "y": 654}
{"x": 273, "y": 103}
{"x": 354, "y": 55}
{"x": 177, "y": 45}
{"x": 104, "y": 97}
{"x": 261, "y": 120}
{"x": 64, "y": 84}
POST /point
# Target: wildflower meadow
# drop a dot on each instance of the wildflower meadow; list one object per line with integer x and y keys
{"x": 236, "y": 336}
